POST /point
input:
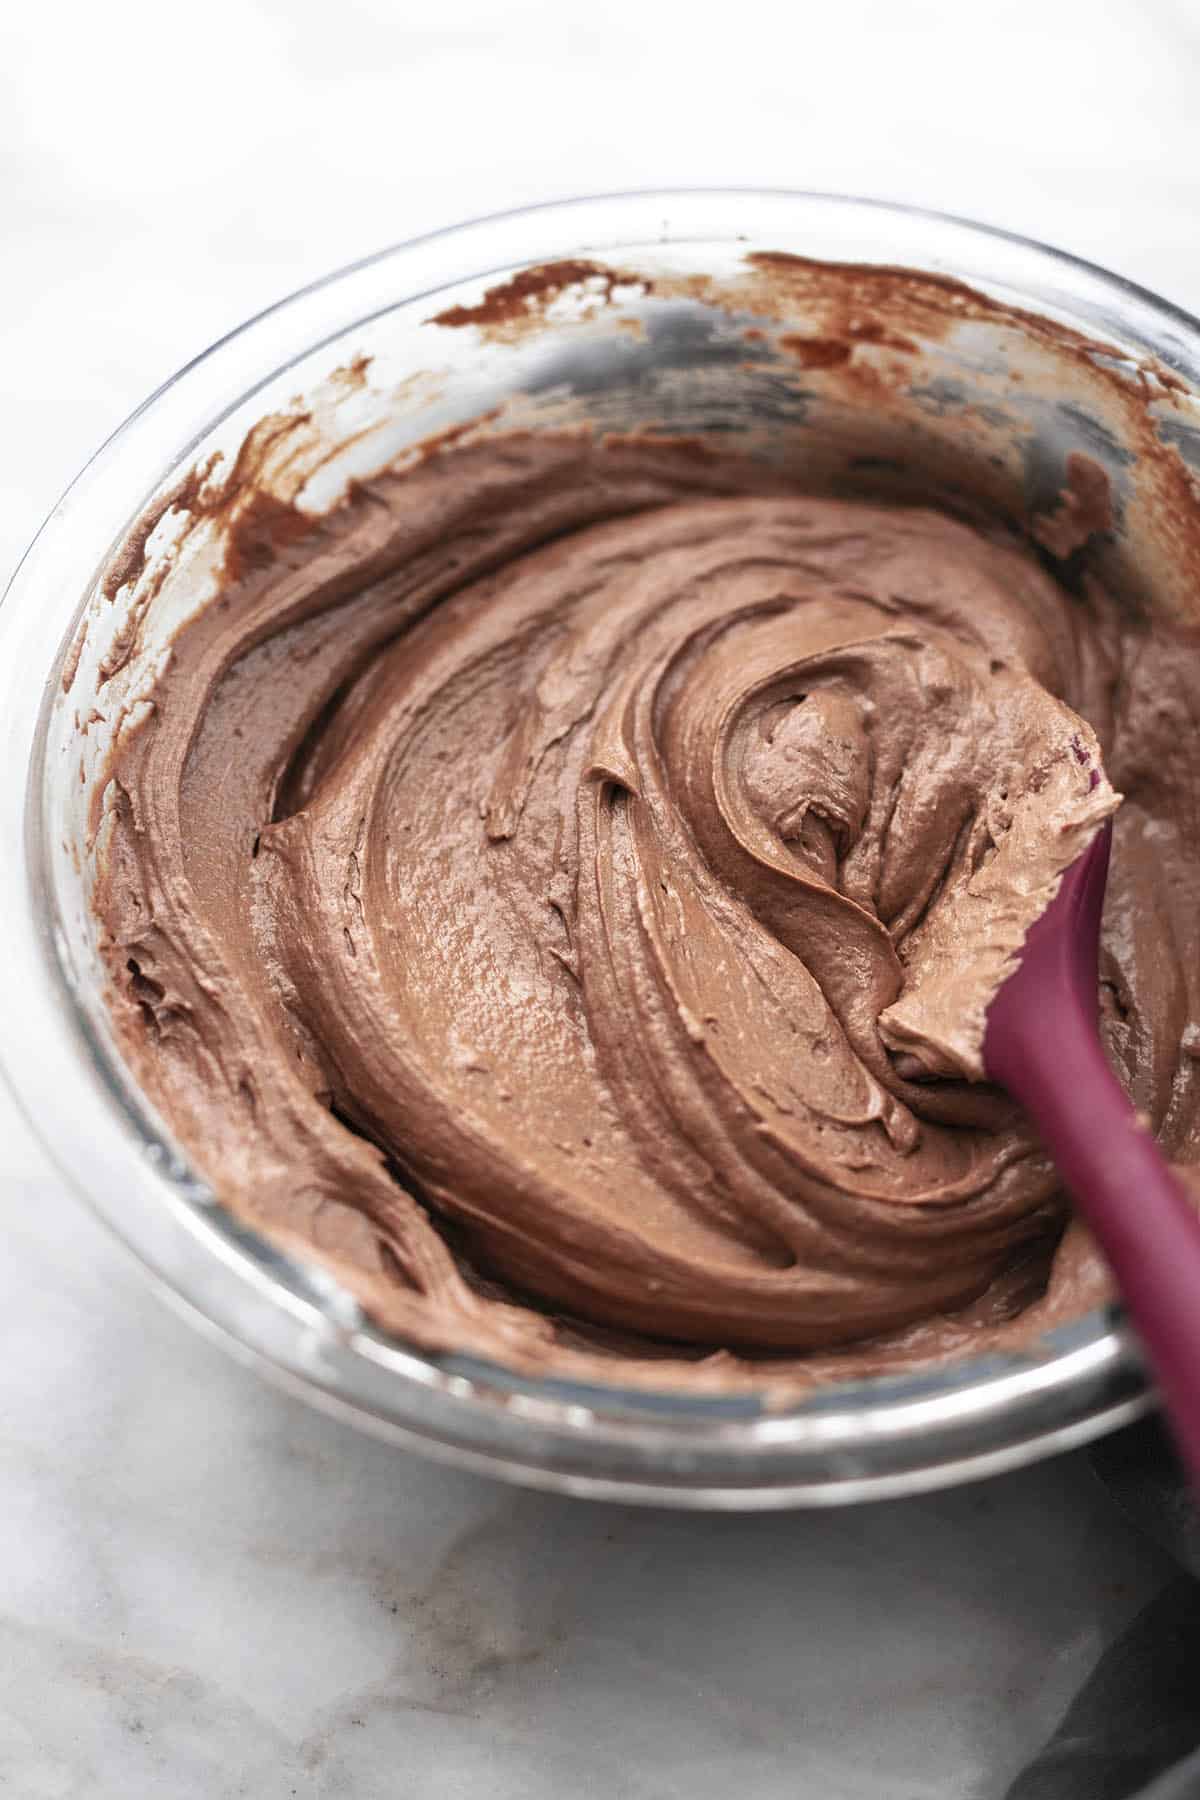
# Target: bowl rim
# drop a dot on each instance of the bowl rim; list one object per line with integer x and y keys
{"x": 890, "y": 1435}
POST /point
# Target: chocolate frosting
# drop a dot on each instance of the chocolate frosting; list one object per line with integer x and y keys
{"x": 563, "y": 887}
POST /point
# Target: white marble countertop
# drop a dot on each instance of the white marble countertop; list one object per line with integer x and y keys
{"x": 207, "y": 1591}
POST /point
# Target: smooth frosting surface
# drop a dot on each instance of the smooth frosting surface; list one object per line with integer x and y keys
{"x": 565, "y": 884}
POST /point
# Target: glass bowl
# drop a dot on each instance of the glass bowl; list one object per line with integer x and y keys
{"x": 1060, "y": 356}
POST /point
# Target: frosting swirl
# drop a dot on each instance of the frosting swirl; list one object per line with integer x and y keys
{"x": 567, "y": 882}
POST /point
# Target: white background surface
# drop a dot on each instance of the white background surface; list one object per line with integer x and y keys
{"x": 205, "y": 1591}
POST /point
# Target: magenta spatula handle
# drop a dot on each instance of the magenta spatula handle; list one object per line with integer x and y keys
{"x": 1042, "y": 1043}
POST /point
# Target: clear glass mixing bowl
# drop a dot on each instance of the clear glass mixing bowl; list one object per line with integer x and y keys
{"x": 1003, "y": 396}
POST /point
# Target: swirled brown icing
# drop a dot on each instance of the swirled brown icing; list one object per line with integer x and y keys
{"x": 564, "y": 886}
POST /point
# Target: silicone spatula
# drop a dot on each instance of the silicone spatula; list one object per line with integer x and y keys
{"x": 1042, "y": 1043}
